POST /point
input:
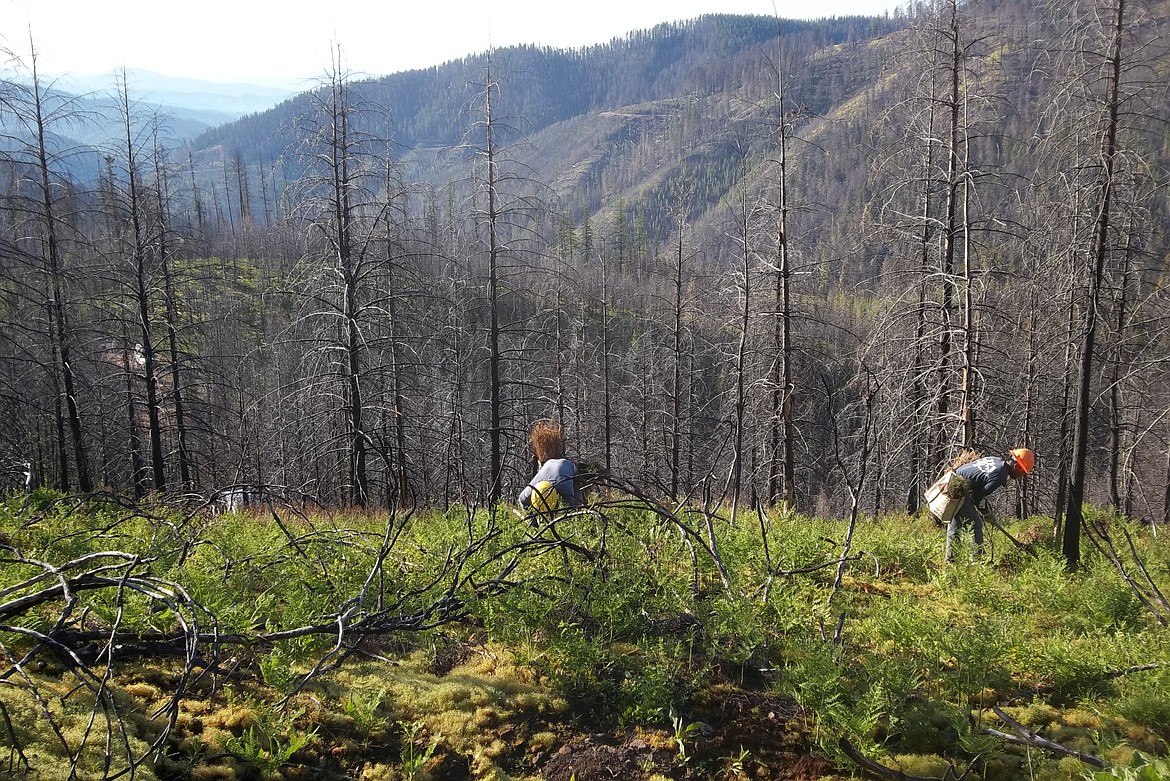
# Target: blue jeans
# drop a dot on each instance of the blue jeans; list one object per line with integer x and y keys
{"x": 967, "y": 515}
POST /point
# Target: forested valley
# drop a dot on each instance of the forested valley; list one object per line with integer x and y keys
{"x": 755, "y": 268}
{"x": 724, "y": 277}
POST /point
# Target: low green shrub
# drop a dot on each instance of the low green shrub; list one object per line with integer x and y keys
{"x": 903, "y": 656}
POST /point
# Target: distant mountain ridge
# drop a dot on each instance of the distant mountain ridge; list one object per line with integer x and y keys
{"x": 605, "y": 127}
{"x": 220, "y": 101}
{"x": 541, "y": 86}
{"x": 91, "y": 115}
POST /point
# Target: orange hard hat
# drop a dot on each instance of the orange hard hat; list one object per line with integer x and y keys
{"x": 1024, "y": 458}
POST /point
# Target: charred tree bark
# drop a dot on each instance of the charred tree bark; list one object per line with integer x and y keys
{"x": 1098, "y": 251}
{"x": 782, "y": 472}
{"x": 140, "y": 251}
{"x": 60, "y": 331}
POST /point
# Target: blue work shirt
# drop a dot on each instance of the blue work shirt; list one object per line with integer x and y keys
{"x": 986, "y": 475}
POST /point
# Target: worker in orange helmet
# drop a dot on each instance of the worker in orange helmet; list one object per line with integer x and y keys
{"x": 976, "y": 481}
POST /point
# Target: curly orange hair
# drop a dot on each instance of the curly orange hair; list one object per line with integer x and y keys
{"x": 547, "y": 440}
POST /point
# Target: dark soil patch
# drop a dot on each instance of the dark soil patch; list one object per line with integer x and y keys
{"x": 742, "y": 734}
{"x": 609, "y": 758}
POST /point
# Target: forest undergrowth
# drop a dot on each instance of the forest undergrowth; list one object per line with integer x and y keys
{"x": 626, "y": 639}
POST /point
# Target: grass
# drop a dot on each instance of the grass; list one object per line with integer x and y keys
{"x": 480, "y": 647}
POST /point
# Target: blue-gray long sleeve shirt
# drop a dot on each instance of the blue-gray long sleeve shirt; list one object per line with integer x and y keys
{"x": 561, "y": 473}
{"x": 986, "y": 475}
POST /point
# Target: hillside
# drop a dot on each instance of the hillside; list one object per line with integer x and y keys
{"x": 541, "y": 86}
{"x": 582, "y": 121}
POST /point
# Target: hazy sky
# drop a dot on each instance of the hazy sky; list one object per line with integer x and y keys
{"x": 287, "y": 43}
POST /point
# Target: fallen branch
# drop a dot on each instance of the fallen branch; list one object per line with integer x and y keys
{"x": 823, "y": 565}
{"x": 1025, "y": 737}
{"x": 1137, "y": 668}
{"x": 81, "y": 613}
{"x": 16, "y": 753}
{"x": 1021, "y": 546}
{"x": 1153, "y": 599}
{"x": 878, "y": 770}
